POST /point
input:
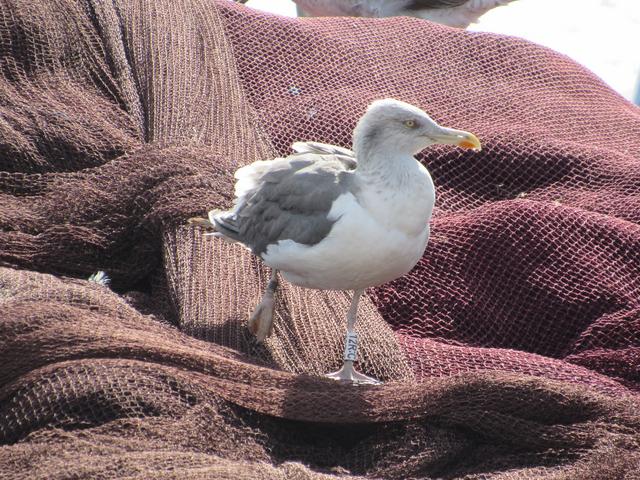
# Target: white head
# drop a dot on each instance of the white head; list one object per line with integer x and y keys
{"x": 400, "y": 128}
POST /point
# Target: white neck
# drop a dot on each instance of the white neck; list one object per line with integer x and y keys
{"x": 396, "y": 190}
{"x": 379, "y": 157}
{"x": 387, "y": 169}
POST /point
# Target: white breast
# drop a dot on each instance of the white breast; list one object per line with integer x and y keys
{"x": 377, "y": 237}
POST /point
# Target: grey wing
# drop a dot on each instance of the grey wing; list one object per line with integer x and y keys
{"x": 458, "y": 13}
{"x": 471, "y": 5}
{"x": 341, "y": 154}
{"x": 321, "y": 149}
{"x": 289, "y": 198}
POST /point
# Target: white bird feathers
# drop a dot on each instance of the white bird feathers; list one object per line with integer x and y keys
{"x": 330, "y": 218}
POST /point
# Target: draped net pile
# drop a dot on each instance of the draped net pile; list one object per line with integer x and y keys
{"x": 512, "y": 351}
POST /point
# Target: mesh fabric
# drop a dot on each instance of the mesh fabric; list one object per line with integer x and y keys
{"x": 511, "y": 351}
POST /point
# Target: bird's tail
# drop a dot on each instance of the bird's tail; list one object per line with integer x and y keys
{"x": 218, "y": 224}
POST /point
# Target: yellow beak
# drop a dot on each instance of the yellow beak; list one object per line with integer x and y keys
{"x": 460, "y": 138}
{"x": 470, "y": 142}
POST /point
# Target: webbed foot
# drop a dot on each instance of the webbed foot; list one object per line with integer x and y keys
{"x": 261, "y": 320}
{"x": 349, "y": 374}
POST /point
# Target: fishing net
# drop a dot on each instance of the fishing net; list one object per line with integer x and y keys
{"x": 511, "y": 351}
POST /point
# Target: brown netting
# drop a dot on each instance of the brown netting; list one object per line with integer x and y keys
{"x": 512, "y": 351}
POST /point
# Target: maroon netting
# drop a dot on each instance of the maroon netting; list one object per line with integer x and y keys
{"x": 511, "y": 351}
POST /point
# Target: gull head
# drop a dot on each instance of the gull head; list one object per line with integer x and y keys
{"x": 400, "y": 128}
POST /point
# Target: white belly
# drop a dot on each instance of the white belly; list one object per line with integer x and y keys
{"x": 362, "y": 250}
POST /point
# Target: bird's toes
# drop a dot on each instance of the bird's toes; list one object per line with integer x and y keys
{"x": 349, "y": 374}
{"x": 261, "y": 320}
{"x": 200, "y": 222}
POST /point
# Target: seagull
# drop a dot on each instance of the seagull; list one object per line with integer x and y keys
{"x": 330, "y": 218}
{"x": 455, "y": 13}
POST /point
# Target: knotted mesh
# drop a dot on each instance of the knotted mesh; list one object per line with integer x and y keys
{"x": 512, "y": 350}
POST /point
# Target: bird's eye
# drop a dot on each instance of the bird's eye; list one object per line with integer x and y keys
{"x": 410, "y": 123}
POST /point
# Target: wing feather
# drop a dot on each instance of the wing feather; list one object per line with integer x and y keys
{"x": 287, "y": 198}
